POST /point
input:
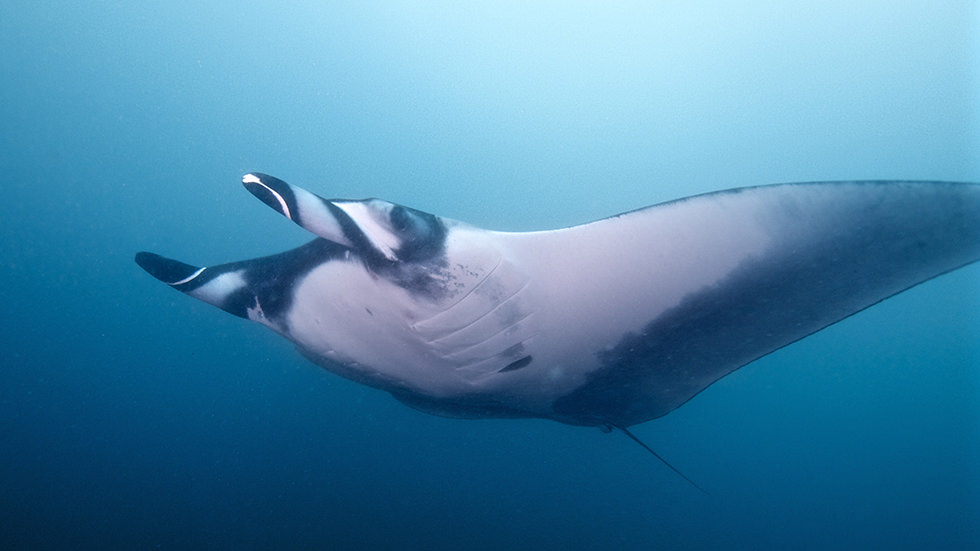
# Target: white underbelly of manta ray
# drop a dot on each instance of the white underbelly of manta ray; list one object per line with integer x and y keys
{"x": 610, "y": 323}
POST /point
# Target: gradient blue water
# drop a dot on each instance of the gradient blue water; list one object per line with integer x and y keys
{"x": 135, "y": 418}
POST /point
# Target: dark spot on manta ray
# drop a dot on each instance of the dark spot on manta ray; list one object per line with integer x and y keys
{"x": 517, "y": 364}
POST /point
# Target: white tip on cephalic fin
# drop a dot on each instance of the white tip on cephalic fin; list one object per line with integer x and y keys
{"x": 253, "y": 179}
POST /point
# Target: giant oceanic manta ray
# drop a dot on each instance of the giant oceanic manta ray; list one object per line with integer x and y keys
{"x": 608, "y": 324}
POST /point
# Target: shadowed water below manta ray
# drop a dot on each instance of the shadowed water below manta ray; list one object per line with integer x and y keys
{"x": 608, "y": 324}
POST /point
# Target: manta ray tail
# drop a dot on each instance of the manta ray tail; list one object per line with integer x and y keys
{"x": 662, "y": 460}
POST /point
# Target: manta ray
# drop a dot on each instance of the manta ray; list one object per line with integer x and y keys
{"x": 608, "y": 324}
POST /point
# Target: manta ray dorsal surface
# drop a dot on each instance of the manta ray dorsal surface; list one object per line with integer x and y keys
{"x": 610, "y": 323}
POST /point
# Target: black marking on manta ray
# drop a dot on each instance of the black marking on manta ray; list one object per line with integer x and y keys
{"x": 714, "y": 330}
{"x": 456, "y": 285}
{"x": 371, "y": 256}
{"x": 643, "y": 368}
{"x": 514, "y": 351}
{"x": 517, "y": 364}
{"x": 420, "y": 259}
{"x": 427, "y": 279}
{"x": 422, "y": 265}
{"x": 271, "y": 278}
{"x": 423, "y": 234}
{"x": 268, "y": 279}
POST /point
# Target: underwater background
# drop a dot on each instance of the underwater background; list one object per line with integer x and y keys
{"x": 132, "y": 417}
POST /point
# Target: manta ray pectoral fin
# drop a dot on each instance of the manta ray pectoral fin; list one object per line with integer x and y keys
{"x": 746, "y": 272}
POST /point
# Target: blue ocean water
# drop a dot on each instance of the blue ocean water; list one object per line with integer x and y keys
{"x": 132, "y": 417}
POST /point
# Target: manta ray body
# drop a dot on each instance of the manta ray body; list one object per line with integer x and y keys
{"x": 608, "y": 324}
